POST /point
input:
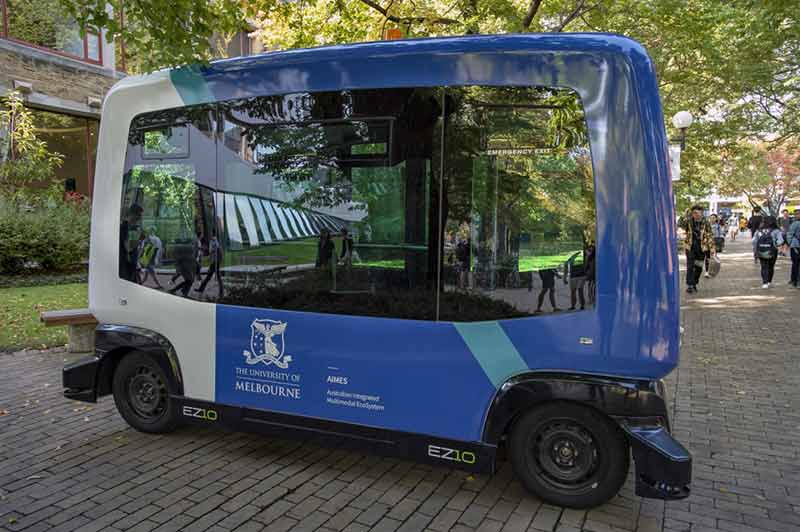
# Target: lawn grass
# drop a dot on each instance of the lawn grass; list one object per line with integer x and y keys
{"x": 19, "y": 314}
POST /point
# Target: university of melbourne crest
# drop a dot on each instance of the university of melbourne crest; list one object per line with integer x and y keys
{"x": 266, "y": 344}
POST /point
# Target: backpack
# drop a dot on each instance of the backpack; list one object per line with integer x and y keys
{"x": 765, "y": 246}
{"x": 148, "y": 254}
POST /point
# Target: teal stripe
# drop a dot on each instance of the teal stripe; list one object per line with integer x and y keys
{"x": 493, "y": 350}
{"x": 191, "y": 85}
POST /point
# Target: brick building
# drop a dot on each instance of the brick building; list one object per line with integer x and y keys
{"x": 63, "y": 78}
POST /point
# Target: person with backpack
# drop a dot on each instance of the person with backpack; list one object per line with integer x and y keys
{"x": 793, "y": 240}
{"x": 698, "y": 242}
{"x": 767, "y": 240}
{"x": 150, "y": 253}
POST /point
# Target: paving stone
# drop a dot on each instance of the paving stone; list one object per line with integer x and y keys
{"x": 733, "y": 403}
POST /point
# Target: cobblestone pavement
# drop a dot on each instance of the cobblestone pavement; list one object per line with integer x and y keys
{"x": 69, "y": 466}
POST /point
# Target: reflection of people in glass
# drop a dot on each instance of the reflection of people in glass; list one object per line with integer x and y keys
{"x": 185, "y": 266}
{"x": 576, "y": 273}
{"x": 591, "y": 262}
{"x": 215, "y": 258}
{"x": 325, "y": 249}
{"x": 198, "y": 259}
{"x": 462, "y": 256}
{"x": 127, "y": 252}
{"x": 346, "y": 256}
{"x": 548, "y": 277}
{"x": 150, "y": 253}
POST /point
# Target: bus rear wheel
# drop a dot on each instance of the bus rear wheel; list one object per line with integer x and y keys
{"x": 142, "y": 394}
{"x": 569, "y": 455}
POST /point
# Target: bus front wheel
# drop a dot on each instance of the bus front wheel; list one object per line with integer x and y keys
{"x": 142, "y": 394}
{"x": 569, "y": 455}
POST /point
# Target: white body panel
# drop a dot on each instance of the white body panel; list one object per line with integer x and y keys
{"x": 188, "y": 325}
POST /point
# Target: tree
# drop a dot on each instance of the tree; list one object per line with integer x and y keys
{"x": 734, "y": 65}
{"x": 766, "y": 177}
{"x": 24, "y": 158}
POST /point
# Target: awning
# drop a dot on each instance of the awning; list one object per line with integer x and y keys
{"x": 256, "y": 221}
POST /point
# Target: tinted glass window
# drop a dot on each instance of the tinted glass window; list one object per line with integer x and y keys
{"x": 519, "y": 204}
{"x": 457, "y": 204}
{"x": 325, "y": 200}
{"x": 167, "y": 218}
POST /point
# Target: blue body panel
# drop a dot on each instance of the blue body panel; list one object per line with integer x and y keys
{"x": 440, "y": 378}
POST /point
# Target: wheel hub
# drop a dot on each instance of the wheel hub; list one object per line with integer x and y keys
{"x": 147, "y": 393}
{"x": 565, "y": 454}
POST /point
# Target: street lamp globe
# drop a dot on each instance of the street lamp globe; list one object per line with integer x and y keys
{"x": 682, "y": 119}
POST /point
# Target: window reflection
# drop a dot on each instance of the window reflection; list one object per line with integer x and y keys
{"x": 168, "y": 224}
{"x": 458, "y": 204}
{"x": 44, "y": 23}
{"x": 325, "y": 201}
{"x": 519, "y": 209}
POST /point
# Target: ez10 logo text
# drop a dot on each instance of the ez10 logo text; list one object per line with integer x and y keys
{"x": 200, "y": 413}
{"x": 444, "y": 453}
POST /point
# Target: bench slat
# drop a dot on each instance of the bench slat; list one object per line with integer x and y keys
{"x": 82, "y": 316}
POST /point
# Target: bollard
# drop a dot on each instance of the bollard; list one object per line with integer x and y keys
{"x": 81, "y": 338}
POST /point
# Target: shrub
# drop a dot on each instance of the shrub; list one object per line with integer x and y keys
{"x": 49, "y": 235}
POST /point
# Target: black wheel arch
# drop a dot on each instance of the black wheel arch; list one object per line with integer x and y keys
{"x": 113, "y": 342}
{"x": 614, "y": 397}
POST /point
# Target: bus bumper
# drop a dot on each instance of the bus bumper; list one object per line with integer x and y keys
{"x": 80, "y": 379}
{"x": 663, "y": 465}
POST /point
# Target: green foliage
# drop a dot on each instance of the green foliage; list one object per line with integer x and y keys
{"x": 52, "y": 235}
{"x": 24, "y": 158}
{"x": 766, "y": 175}
{"x": 159, "y": 33}
{"x": 734, "y": 65}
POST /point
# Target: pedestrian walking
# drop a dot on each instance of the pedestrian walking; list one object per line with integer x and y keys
{"x": 697, "y": 242}
{"x": 214, "y": 266}
{"x": 754, "y": 224}
{"x": 793, "y": 240}
{"x": 767, "y": 241}
{"x": 548, "y": 277}
{"x": 733, "y": 225}
{"x": 150, "y": 256}
{"x": 784, "y": 222}
{"x": 718, "y": 230}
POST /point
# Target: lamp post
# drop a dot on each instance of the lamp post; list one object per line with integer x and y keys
{"x": 682, "y": 120}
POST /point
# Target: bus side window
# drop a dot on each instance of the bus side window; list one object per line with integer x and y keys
{"x": 326, "y": 201}
{"x": 520, "y": 222}
{"x": 167, "y": 214}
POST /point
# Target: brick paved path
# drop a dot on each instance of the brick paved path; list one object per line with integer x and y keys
{"x": 69, "y": 466}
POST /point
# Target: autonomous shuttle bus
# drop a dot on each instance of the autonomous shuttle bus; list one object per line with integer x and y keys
{"x": 426, "y": 248}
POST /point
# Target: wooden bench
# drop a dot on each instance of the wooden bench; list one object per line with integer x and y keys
{"x": 81, "y": 323}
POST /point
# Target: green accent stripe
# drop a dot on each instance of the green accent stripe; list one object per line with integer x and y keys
{"x": 492, "y": 349}
{"x": 191, "y": 85}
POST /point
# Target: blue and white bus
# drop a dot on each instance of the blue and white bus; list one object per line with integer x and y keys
{"x": 426, "y": 248}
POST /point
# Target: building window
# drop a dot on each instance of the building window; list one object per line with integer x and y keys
{"x": 42, "y": 24}
{"x": 76, "y": 139}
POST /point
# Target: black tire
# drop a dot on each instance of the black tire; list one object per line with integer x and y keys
{"x": 569, "y": 455}
{"x": 142, "y": 394}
